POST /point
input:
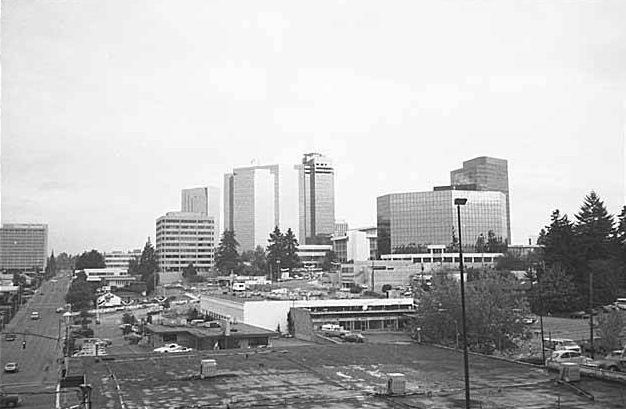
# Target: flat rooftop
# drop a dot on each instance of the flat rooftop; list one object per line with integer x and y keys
{"x": 344, "y": 376}
{"x": 238, "y": 329}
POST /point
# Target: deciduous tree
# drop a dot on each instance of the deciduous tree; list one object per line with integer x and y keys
{"x": 92, "y": 259}
{"x": 494, "y": 308}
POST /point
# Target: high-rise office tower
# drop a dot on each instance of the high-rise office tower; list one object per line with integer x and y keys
{"x": 256, "y": 200}
{"x": 316, "y": 197}
{"x": 202, "y": 200}
{"x": 23, "y": 246}
{"x": 485, "y": 174}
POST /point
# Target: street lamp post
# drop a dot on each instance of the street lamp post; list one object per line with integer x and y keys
{"x": 67, "y": 316}
{"x": 458, "y": 203}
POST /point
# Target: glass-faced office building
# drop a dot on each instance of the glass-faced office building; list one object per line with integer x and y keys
{"x": 485, "y": 174}
{"x": 423, "y": 218}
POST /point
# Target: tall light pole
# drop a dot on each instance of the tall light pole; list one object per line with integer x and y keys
{"x": 458, "y": 202}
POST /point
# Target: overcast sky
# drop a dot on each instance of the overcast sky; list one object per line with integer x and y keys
{"x": 109, "y": 108}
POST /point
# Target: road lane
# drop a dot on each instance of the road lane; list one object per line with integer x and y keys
{"x": 38, "y": 346}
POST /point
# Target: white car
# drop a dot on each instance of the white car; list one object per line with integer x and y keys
{"x": 171, "y": 348}
{"x": 565, "y": 355}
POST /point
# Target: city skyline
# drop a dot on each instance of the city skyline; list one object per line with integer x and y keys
{"x": 109, "y": 110}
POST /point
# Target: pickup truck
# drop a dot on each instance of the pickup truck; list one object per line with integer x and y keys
{"x": 9, "y": 400}
{"x": 615, "y": 361}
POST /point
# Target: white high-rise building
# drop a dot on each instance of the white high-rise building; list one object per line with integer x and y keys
{"x": 256, "y": 200}
{"x": 23, "y": 246}
{"x": 316, "y": 190}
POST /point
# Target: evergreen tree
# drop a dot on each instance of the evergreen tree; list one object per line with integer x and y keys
{"x": 189, "y": 271}
{"x": 559, "y": 243}
{"x": 148, "y": 267}
{"x": 51, "y": 266}
{"x": 290, "y": 248}
{"x": 595, "y": 243}
{"x": 227, "y": 258}
{"x": 275, "y": 252}
{"x": 594, "y": 229}
{"x": 259, "y": 261}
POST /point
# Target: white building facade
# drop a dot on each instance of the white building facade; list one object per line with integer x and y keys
{"x": 120, "y": 259}
{"x": 183, "y": 239}
{"x": 256, "y": 200}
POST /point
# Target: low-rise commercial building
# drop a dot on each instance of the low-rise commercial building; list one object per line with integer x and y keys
{"x": 227, "y": 336}
{"x": 355, "y": 313}
{"x": 112, "y": 277}
{"x": 398, "y": 270}
{"x": 120, "y": 259}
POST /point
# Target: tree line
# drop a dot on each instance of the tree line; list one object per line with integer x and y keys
{"x": 280, "y": 253}
{"x": 580, "y": 263}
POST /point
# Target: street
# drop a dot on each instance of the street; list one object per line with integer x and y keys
{"x": 37, "y": 347}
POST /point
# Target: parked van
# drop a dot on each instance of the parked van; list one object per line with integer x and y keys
{"x": 239, "y": 286}
{"x": 333, "y": 330}
{"x": 559, "y": 344}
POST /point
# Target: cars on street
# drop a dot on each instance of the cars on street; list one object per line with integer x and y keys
{"x": 10, "y": 337}
{"x": 59, "y": 310}
{"x": 558, "y": 344}
{"x": 567, "y": 356}
{"x": 358, "y": 338}
{"x": 579, "y": 315}
{"x": 11, "y": 367}
{"x": 171, "y": 348}
{"x": 34, "y": 315}
{"x": 614, "y": 361}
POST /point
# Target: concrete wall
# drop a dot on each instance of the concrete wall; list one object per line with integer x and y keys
{"x": 170, "y": 277}
{"x": 223, "y": 308}
{"x": 268, "y": 314}
{"x": 303, "y": 325}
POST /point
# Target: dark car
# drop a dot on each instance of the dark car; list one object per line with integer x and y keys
{"x": 10, "y": 337}
{"x": 358, "y": 338}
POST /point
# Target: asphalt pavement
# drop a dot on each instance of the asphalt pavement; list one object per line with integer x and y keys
{"x": 37, "y": 347}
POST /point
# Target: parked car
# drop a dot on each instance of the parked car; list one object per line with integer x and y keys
{"x": 615, "y": 361}
{"x": 579, "y": 315}
{"x": 172, "y": 348}
{"x": 565, "y": 355}
{"x": 59, "y": 310}
{"x": 358, "y": 338}
{"x": 34, "y": 315}
{"x": 10, "y": 400}
{"x": 11, "y": 367}
{"x": 10, "y": 337}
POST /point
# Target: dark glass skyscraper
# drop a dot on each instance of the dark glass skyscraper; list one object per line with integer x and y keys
{"x": 485, "y": 174}
{"x": 316, "y": 197}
